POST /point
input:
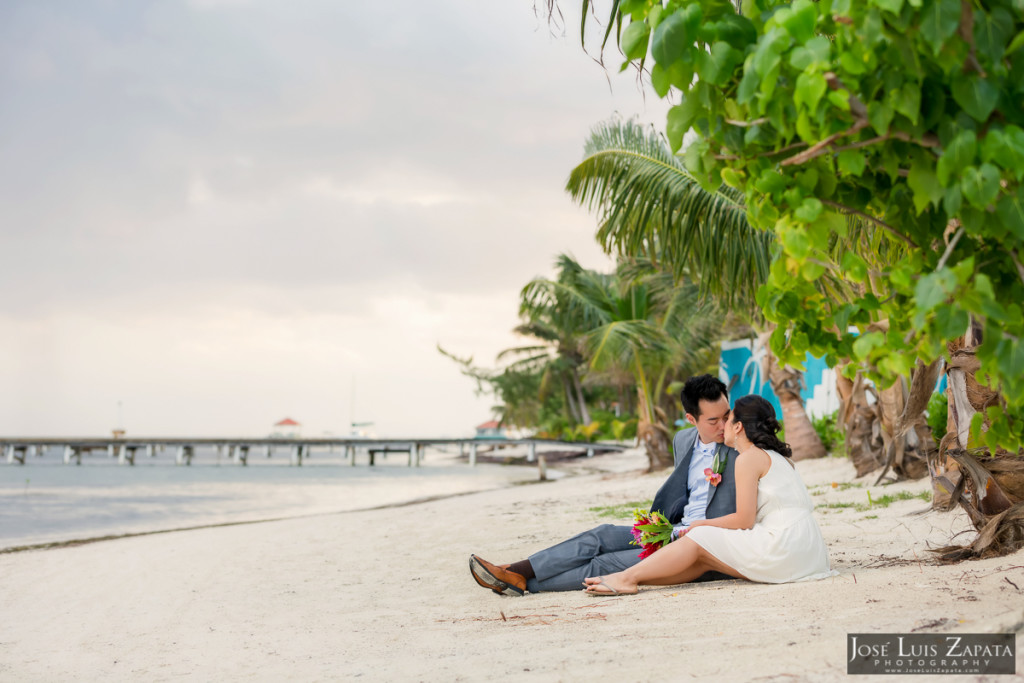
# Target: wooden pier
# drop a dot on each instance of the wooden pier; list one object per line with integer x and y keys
{"x": 125, "y": 450}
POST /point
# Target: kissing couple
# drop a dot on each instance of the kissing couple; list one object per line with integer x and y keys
{"x": 753, "y": 521}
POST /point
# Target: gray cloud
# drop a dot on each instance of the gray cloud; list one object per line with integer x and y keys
{"x": 158, "y": 158}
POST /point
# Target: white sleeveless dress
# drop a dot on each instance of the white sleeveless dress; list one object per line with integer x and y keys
{"x": 785, "y": 543}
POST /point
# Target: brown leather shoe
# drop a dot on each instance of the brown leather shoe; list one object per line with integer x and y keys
{"x": 499, "y": 580}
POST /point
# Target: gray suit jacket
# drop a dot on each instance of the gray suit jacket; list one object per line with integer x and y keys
{"x": 674, "y": 494}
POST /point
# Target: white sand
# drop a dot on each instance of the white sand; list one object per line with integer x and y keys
{"x": 386, "y": 595}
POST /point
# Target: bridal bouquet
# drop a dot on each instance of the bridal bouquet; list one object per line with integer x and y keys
{"x": 651, "y": 530}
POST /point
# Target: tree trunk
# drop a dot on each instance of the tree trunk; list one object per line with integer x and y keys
{"x": 890, "y": 431}
{"x": 581, "y": 401}
{"x": 989, "y": 488}
{"x": 787, "y": 383}
{"x": 655, "y": 437}
{"x": 570, "y": 403}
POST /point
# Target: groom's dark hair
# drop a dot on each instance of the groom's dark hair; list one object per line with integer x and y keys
{"x": 701, "y": 388}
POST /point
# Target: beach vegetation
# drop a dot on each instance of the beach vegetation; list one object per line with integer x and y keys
{"x": 832, "y": 437}
{"x": 881, "y": 146}
{"x": 622, "y": 510}
{"x": 649, "y": 206}
{"x": 637, "y": 321}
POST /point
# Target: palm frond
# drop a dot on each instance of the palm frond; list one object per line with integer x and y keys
{"x": 648, "y": 204}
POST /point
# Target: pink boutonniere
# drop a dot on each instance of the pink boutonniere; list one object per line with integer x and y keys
{"x": 713, "y": 474}
{"x": 712, "y": 477}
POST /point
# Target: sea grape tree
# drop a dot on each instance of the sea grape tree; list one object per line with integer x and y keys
{"x": 906, "y": 115}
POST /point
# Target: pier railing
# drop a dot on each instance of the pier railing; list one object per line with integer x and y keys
{"x": 125, "y": 450}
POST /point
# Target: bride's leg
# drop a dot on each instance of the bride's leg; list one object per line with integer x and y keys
{"x": 679, "y": 562}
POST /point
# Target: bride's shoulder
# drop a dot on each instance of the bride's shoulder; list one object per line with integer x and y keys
{"x": 755, "y": 457}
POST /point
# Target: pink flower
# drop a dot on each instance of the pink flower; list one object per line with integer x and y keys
{"x": 712, "y": 477}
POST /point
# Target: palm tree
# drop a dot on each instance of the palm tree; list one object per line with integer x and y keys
{"x": 649, "y": 205}
{"x": 638, "y": 321}
{"x": 557, "y": 324}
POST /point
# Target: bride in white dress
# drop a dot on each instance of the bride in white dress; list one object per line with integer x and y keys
{"x": 771, "y": 538}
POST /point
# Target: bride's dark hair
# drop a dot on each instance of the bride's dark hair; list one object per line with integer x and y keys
{"x": 758, "y": 419}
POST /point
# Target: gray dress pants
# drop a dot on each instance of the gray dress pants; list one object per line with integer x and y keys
{"x": 602, "y": 550}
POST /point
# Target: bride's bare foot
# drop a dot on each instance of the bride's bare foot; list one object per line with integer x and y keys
{"x": 613, "y": 584}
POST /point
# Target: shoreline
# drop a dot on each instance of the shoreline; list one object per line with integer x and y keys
{"x": 337, "y": 596}
{"x": 206, "y": 481}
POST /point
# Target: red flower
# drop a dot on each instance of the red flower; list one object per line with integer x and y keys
{"x": 712, "y": 477}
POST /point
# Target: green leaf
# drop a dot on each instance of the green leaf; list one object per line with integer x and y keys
{"x": 676, "y": 35}
{"x": 851, "y": 162}
{"x": 950, "y": 321}
{"x": 991, "y": 33}
{"x": 809, "y": 210}
{"x": 934, "y": 288}
{"x": 1016, "y": 43}
{"x": 770, "y": 182}
{"x": 1006, "y": 148}
{"x": 748, "y": 84}
{"x": 680, "y": 119}
{"x": 660, "y": 80}
{"x": 737, "y": 30}
{"x": 907, "y": 101}
{"x": 977, "y": 96}
{"x": 866, "y": 343}
{"x": 800, "y": 21}
{"x": 717, "y": 66}
{"x": 939, "y": 21}
{"x": 840, "y": 99}
{"x": 1010, "y": 211}
{"x": 810, "y": 87}
{"x": 925, "y": 185}
{"x": 811, "y": 271}
{"x": 796, "y": 243}
{"x": 893, "y": 6}
{"x": 958, "y": 155}
{"x": 880, "y": 115}
{"x": 634, "y": 40}
{"x": 852, "y": 64}
{"x": 980, "y": 185}
{"x": 854, "y": 267}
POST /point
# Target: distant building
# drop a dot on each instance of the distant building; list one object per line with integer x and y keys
{"x": 491, "y": 430}
{"x": 286, "y": 429}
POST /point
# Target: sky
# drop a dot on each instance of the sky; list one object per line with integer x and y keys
{"x": 215, "y": 214}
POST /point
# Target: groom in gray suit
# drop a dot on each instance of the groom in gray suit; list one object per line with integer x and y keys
{"x": 687, "y": 495}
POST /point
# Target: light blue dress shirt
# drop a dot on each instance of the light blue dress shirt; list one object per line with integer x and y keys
{"x": 700, "y": 488}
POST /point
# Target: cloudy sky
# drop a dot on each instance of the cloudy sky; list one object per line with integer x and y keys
{"x": 220, "y": 212}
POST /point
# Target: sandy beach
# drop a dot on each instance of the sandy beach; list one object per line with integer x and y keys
{"x": 386, "y": 595}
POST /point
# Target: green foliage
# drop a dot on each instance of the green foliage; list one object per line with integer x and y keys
{"x": 831, "y": 435}
{"x": 621, "y": 511}
{"x": 623, "y": 430}
{"x": 881, "y": 502}
{"x": 889, "y": 129}
{"x": 938, "y": 413}
{"x": 587, "y": 433}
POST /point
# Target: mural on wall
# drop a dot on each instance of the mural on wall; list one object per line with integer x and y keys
{"x": 740, "y": 367}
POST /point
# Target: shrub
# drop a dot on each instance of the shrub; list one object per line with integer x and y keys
{"x": 830, "y": 433}
{"x": 937, "y": 413}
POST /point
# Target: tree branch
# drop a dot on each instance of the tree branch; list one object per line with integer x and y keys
{"x": 882, "y": 224}
{"x": 819, "y": 148}
{"x": 949, "y": 248}
{"x": 787, "y": 148}
{"x": 747, "y": 124}
{"x": 1016, "y": 262}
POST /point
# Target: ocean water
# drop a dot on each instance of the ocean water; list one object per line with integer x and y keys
{"x": 47, "y": 501}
